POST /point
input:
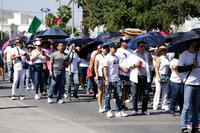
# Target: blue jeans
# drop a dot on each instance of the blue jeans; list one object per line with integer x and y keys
{"x": 75, "y": 78}
{"x": 38, "y": 77}
{"x": 10, "y": 71}
{"x": 191, "y": 100}
{"x": 176, "y": 89}
{"x": 116, "y": 87}
{"x": 57, "y": 81}
{"x": 141, "y": 86}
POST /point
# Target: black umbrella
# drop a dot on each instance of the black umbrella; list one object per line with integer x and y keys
{"x": 53, "y": 34}
{"x": 172, "y": 36}
{"x": 88, "y": 48}
{"x": 180, "y": 43}
{"x": 103, "y": 37}
{"x": 81, "y": 41}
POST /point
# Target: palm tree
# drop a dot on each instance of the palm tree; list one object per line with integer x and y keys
{"x": 50, "y": 20}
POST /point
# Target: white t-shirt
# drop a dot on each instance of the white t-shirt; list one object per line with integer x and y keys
{"x": 175, "y": 77}
{"x": 164, "y": 65}
{"x": 123, "y": 55}
{"x": 75, "y": 59}
{"x": 18, "y": 63}
{"x": 8, "y": 52}
{"x": 39, "y": 59}
{"x": 100, "y": 59}
{"x": 112, "y": 63}
{"x": 83, "y": 63}
{"x": 187, "y": 58}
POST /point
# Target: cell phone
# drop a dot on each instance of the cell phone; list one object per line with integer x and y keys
{"x": 43, "y": 52}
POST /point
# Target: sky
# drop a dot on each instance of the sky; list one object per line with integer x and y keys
{"x": 33, "y": 7}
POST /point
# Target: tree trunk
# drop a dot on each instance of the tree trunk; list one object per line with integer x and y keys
{"x": 85, "y": 25}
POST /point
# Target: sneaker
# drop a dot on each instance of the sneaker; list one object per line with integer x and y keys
{"x": 49, "y": 100}
{"x": 118, "y": 114}
{"x": 195, "y": 130}
{"x": 184, "y": 130}
{"x": 32, "y": 87}
{"x": 155, "y": 108}
{"x": 37, "y": 97}
{"x": 21, "y": 98}
{"x": 189, "y": 126}
{"x": 166, "y": 108}
{"x": 109, "y": 114}
{"x": 60, "y": 101}
{"x": 123, "y": 114}
{"x": 65, "y": 96}
{"x": 128, "y": 101}
{"x": 134, "y": 113}
{"x": 101, "y": 110}
{"x": 13, "y": 98}
{"x": 172, "y": 114}
{"x": 27, "y": 89}
{"x": 145, "y": 113}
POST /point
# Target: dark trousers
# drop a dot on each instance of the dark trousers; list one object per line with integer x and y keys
{"x": 38, "y": 77}
{"x": 142, "y": 87}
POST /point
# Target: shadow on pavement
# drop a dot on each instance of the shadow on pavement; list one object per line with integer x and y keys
{"x": 19, "y": 107}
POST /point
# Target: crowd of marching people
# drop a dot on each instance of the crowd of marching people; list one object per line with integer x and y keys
{"x": 51, "y": 70}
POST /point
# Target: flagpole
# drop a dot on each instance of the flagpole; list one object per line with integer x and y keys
{"x": 72, "y": 16}
{"x": 1, "y": 19}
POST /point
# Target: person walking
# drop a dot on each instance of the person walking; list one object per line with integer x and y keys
{"x": 110, "y": 71}
{"x": 58, "y": 64}
{"x": 18, "y": 56}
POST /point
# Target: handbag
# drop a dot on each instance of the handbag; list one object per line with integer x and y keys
{"x": 89, "y": 74}
{"x": 25, "y": 65}
{"x": 164, "y": 78}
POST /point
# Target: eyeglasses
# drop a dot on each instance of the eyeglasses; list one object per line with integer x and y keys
{"x": 142, "y": 46}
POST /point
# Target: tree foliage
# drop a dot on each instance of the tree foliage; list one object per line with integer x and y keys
{"x": 143, "y": 14}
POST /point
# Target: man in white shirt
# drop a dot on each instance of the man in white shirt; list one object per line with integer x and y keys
{"x": 7, "y": 62}
{"x": 111, "y": 71}
{"x": 138, "y": 64}
{"x": 123, "y": 53}
{"x": 190, "y": 66}
{"x": 18, "y": 55}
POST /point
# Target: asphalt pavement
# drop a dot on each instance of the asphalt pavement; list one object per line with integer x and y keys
{"x": 36, "y": 116}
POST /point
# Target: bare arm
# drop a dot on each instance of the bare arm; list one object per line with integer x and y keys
{"x": 157, "y": 67}
{"x": 96, "y": 64}
{"x": 105, "y": 72}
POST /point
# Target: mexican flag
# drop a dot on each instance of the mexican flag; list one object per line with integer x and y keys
{"x": 35, "y": 24}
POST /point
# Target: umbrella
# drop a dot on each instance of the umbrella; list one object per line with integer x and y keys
{"x": 53, "y": 34}
{"x": 103, "y": 37}
{"x": 132, "y": 32}
{"x": 7, "y": 43}
{"x": 151, "y": 39}
{"x": 34, "y": 36}
{"x": 179, "y": 43}
{"x": 81, "y": 41}
{"x": 172, "y": 36}
{"x": 89, "y": 47}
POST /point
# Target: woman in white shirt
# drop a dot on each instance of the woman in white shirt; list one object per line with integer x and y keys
{"x": 175, "y": 86}
{"x": 98, "y": 68}
{"x": 161, "y": 81}
{"x": 38, "y": 57}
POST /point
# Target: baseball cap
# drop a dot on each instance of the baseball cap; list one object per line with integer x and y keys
{"x": 113, "y": 45}
{"x": 124, "y": 39}
{"x": 37, "y": 43}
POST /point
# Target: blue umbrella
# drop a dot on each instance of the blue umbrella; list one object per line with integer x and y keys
{"x": 151, "y": 39}
{"x": 107, "y": 35}
{"x": 81, "y": 41}
{"x": 53, "y": 34}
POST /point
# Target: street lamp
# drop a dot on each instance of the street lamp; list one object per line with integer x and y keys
{"x": 45, "y": 11}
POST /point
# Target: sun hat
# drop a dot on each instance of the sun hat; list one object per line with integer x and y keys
{"x": 160, "y": 49}
{"x": 37, "y": 43}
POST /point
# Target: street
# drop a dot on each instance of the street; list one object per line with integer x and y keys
{"x": 81, "y": 116}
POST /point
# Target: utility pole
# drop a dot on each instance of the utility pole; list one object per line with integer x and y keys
{"x": 72, "y": 16}
{"x": 1, "y": 19}
{"x": 59, "y": 3}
